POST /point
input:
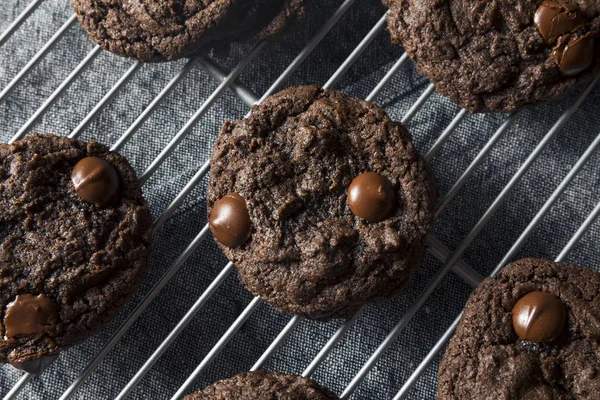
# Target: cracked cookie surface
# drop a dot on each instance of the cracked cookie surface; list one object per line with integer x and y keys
{"x": 166, "y": 30}
{"x": 81, "y": 260}
{"x": 486, "y": 359}
{"x": 489, "y": 56}
{"x": 261, "y": 385}
{"x": 292, "y": 161}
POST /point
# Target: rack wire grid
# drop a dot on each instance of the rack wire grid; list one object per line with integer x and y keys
{"x": 513, "y": 185}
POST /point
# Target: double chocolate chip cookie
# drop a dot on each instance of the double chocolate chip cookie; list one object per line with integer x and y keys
{"x": 499, "y": 55}
{"x": 262, "y": 385}
{"x": 165, "y": 30}
{"x": 321, "y": 201}
{"x": 75, "y": 237}
{"x": 533, "y": 332}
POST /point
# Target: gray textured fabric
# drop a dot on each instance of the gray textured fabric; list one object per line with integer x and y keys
{"x": 202, "y": 267}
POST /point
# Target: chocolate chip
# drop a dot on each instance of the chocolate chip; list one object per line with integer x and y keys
{"x": 539, "y": 317}
{"x": 29, "y": 315}
{"x": 560, "y": 23}
{"x": 555, "y": 19}
{"x": 95, "y": 180}
{"x": 371, "y": 196}
{"x": 574, "y": 56}
{"x": 229, "y": 221}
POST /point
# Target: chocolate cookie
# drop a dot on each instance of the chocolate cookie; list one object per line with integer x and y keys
{"x": 165, "y": 30}
{"x": 321, "y": 201}
{"x": 533, "y": 332}
{"x": 262, "y": 385}
{"x": 499, "y": 55}
{"x": 75, "y": 237}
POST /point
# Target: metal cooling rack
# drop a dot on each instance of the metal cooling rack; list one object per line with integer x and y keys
{"x": 228, "y": 81}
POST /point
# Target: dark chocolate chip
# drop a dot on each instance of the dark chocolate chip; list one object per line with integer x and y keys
{"x": 539, "y": 317}
{"x": 229, "y": 221}
{"x": 555, "y": 19}
{"x": 371, "y": 196}
{"x": 575, "y": 56}
{"x": 29, "y": 315}
{"x": 96, "y": 180}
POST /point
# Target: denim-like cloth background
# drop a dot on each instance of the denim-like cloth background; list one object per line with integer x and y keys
{"x": 202, "y": 267}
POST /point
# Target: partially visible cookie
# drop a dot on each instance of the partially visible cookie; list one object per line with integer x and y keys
{"x": 75, "y": 236}
{"x": 499, "y": 55}
{"x": 321, "y": 201}
{"x": 261, "y": 385}
{"x": 166, "y": 30}
{"x": 533, "y": 332}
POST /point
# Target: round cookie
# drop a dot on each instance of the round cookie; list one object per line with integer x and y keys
{"x": 293, "y": 162}
{"x": 67, "y": 264}
{"x": 499, "y": 55}
{"x": 556, "y": 308}
{"x": 167, "y": 30}
{"x": 261, "y": 385}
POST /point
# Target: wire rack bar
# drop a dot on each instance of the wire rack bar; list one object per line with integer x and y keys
{"x": 362, "y": 46}
{"x": 521, "y": 171}
{"x": 129, "y": 74}
{"x": 418, "y": 104}
{"x": 587, "y": 224}
{"x": 476, "y": 162}
{"x": 182, "y": 195}
{"x": 333, "y": 340}
{"x": 353, "y": 57}
{"x": 427, "y": 360}
{"x": 12, "y": 28}
{"x": 57, "y": 94}
{"x": 37, "y": 58}
{"x": 276, "y": 343}
{"x": 443, "y": 138}
{"x": 16, "y": 389}
{"x": 387, "y": 78}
